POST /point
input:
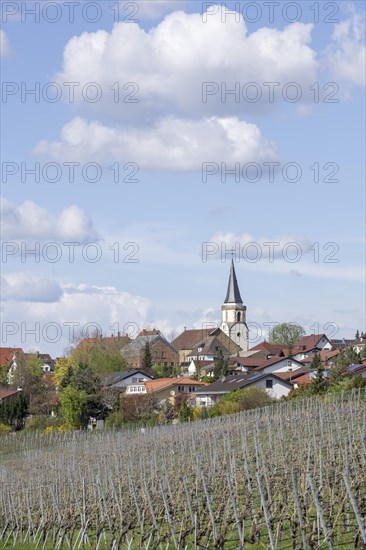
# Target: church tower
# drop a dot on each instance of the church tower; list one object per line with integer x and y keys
{"x": 234, "y": 313}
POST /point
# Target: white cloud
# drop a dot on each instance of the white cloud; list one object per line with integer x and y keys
{"x": 346, "y": 55}
{"x": 4, "y": 44}
{"x": 78, "y": 306}
{"x": 29, "y": 288}
{"x": 31, "y": 221}
{"x": 173, "y": 144}
{"x": 170, "y": 62}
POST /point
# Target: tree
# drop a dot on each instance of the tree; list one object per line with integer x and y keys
{"x": 286, "y": 334}
{"x": 13, "y": 411}
{"x": 185, "y": 411}
{"x": 147, "y": 362}
{"x": 341, "y": 362}
{"x": 63, "y": 370}
{"x": 357, "y": 335}
{"x": 72, "y": 404}
{"x": 28, "y": 374}
{"x": 85, "y": 380}
{"x": 67, "y": 378}
{"x": 318, "y": 383}
{"x": 101, "y": 360}
{"x": 221, "y": 366}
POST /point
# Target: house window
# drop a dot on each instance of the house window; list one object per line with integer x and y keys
{"x": 165, "y": 363}
{"x": 289, "y": 363}
{"x": 191, "y": 389}
{"x": 180, "y": 389}
{"x": 238, "y": 316}
{"x": 269, "y": 384}
{"x": 163, "y": 354}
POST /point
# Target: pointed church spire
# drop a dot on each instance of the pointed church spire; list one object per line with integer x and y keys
{"x": 233, "y": 294}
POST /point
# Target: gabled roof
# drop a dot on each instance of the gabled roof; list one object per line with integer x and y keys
{"x": 118, "y": 376}
{"x": 164, "y": 383}
{"x": 209, "y": 345}
{"x": 304, "y": 379}
{"x": 8, "y": 393}
{"x": 361, "y": 340}
{"x": 311, "y": 341}
{"x": 137, "y": 345}
{"x": 189, "y": 338}
{"x": 274, "y": 360}
{"x": 233, "y": 294}
{"x": 6, "y": 355}
{"x": 250, "y": 362}
{"x": 228, "y": 384}
{"x": 292, "y": 375}
{"x": 268, "y": 348}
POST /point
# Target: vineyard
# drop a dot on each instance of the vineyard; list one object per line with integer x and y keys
{"x": 288, "y": 476}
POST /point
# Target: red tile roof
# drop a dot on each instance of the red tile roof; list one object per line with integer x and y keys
{"x": 8, "y": 393}
{"x": 268, "y": 348}
{"x": 6, "y": 355}
{"x": 310, "y": 341}
{"x": 162, "y": 383}
{"x": 304, "y": 379}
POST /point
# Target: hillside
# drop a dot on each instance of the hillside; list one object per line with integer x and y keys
{"x": 287, "y": 476}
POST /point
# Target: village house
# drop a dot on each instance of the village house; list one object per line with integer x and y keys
{"x": 8, "y": 360}
{"x": 274, "y": 386}
{"x": 309, "y": 345}
{"x": 360, "y": 343}
{"x": 164, "y": 389}
{"x": 162, "y": 352}
{"x": 120, "y": 380}
{"x": 279, "y": 364}
{"x": 187, "y": 340}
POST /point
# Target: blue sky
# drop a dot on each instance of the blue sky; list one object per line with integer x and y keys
{"x": 168, "y": 134}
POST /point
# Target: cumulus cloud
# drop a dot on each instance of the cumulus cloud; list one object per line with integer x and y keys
{"x": 170, "y": 62}
{"x": 172, "y": 144}
{"x": 78, "y": 308}
{"x": 24, "y": 287}
{"x": 31, "y": 221}
{"x": 346, "y": 55}
{"x": 4, "y": 44}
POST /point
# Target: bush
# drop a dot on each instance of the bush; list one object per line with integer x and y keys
{"x": 115, "y": 420}
{"x": 4, "y": 429}
{"x": 241, "y": 400}
{"x": 42, "y": 423}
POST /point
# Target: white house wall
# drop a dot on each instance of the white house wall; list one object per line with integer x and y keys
{"x": 278, "y": 390}
{"x": 281, "y": 366}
